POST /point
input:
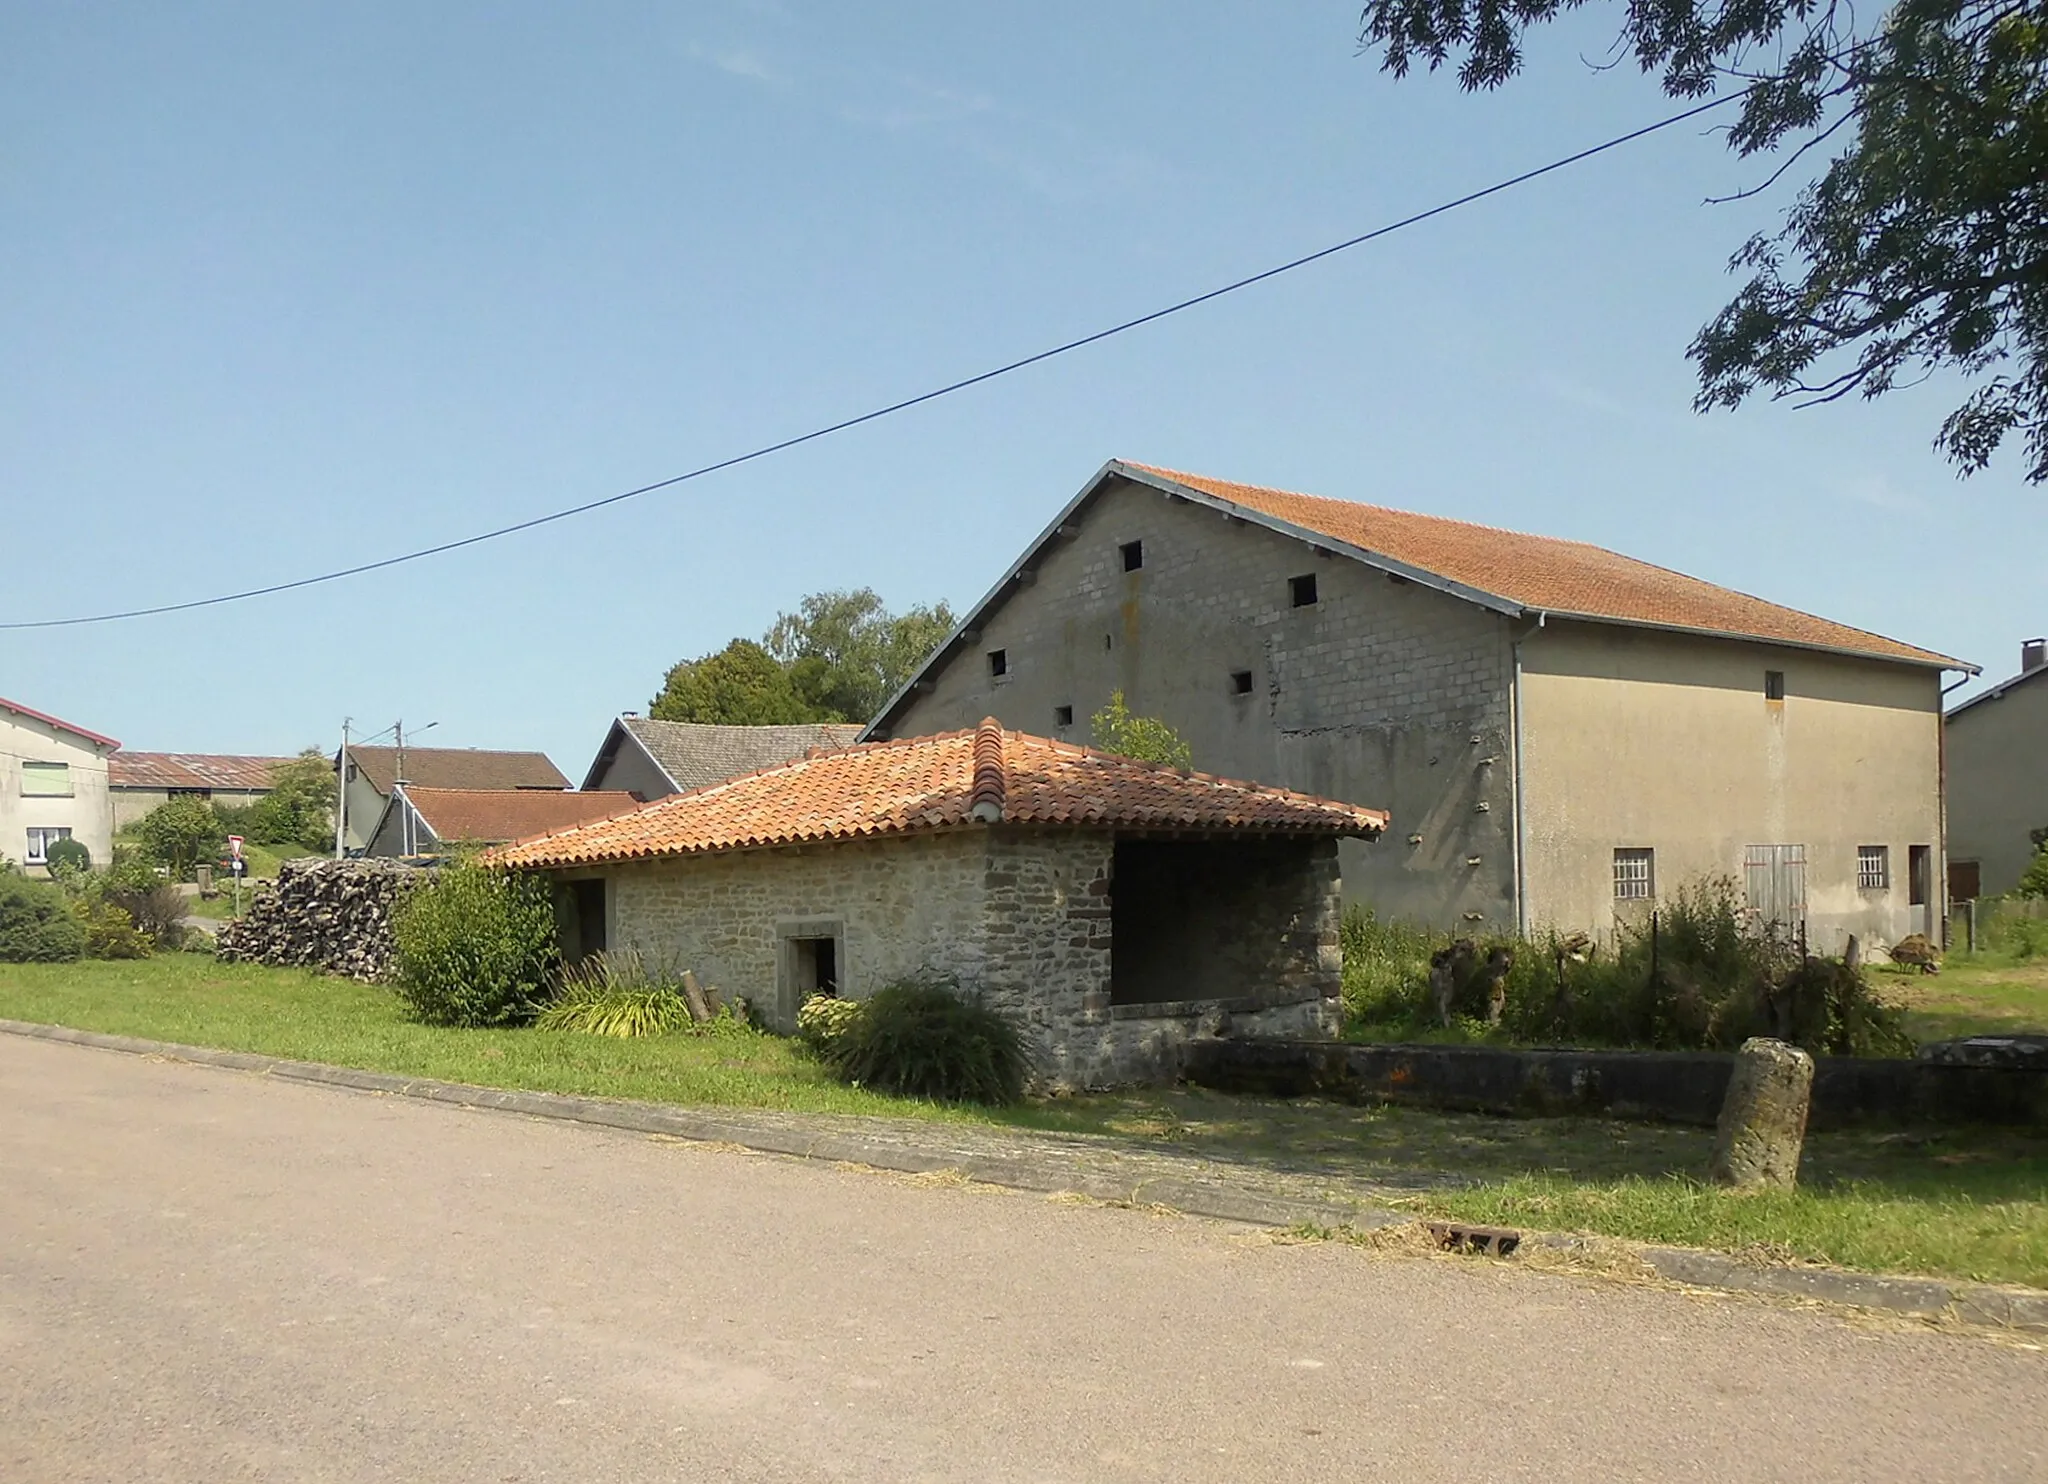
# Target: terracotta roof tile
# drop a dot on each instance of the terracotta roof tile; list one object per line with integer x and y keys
{"x": 458, "y": 767}
{"x": 1548, "y": 573}
{"x": 488, "y": 816}
{"x": 190, "y": 770}
{"x": 951, "y": 780}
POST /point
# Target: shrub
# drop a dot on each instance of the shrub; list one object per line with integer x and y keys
{"x": 179, "y": 832}
{"x": 67, "y": 857}
{"x": 616, "y": 994}
{"x": 919, "y": 1038}
{"x": 1115, "y": 729}
{"x": 36, "y": 922}
{"x": 824, "y": 1020}
{"x": 2034, "y": 880}
{"x": 157, "y": 910}
{"x": 475, "y": 947}
{"x": 299, "y": 809}
{"x": 109, "y": 931}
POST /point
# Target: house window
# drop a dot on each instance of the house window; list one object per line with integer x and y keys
{"x": 1919, "y": 874}
{"x": 1635, "y": 875}
{"x": 1240, "y": 682}
{"x": 1302, "y": 590}
{"x": 40, "y": 841}
{"x": 1134, "y": 555}
{"x": 1774, "y": 685}
{"x": 45, "y": 780}
{"x": 1873, "y": 867}
{"x": 1063, "y": 716}
{"x": 999, "y": 662}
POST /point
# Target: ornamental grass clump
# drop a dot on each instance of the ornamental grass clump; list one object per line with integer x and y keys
{"x": 920, "y": 1038}
{"x": 616, "y": 994}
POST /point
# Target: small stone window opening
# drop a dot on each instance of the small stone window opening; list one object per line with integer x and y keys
{"x": 999, "y": 662}
{"x": 1134, "y": 555}
{"x": 1063, "y": 716}
{"x": 1302, "y": 590}
{"x": 1873, "y": 867}
{"x": 1774, "y": 685}
{"x": 1240, "y": 682}
{"x": 814, "y": 967}
{"x": 1635, "y": 875}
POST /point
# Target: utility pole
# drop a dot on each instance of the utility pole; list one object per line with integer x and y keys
{"x": 398, "y": 789}
{"x": 340, "y": 794}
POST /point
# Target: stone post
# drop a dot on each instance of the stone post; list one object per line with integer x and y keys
{"x": 1763, "y": 1119}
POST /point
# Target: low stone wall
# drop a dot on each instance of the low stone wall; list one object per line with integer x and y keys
{"x": 1674, "y": 1087}
{"x": 334, "y": 916}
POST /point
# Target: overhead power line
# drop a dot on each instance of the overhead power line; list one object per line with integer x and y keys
{"x": 875, "y": 414}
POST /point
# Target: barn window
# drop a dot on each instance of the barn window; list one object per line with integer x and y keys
{"x": 1873, "y": 867}
{"x": 1302, "y": 590}
{"x": 1635, "y": 875}
{"x": 1134, "y": 555}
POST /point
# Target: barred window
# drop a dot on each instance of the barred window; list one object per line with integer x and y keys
{"x": 1874, "y": 867}
{"x": 1635, "y": 875}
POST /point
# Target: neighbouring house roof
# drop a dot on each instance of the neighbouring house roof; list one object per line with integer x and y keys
{"x": 490, "y": 816}
{"x": 191, "y": 770}
{"x": 1999, "y": 689}
{"x": 1507, "y": 571}
{"x": 458, "y": 767}
{"x": 59, "y": 723}
{"x": 987, "y": 775}
{"x": 693, "y": 754}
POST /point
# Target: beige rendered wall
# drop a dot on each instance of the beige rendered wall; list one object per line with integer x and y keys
{"x": 88, "y": 813}
{"x": 1633, "y": 738}
{"x": 1998, "y": 782}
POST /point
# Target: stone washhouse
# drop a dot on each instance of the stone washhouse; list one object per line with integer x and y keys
{"x": 1113, "y": 909}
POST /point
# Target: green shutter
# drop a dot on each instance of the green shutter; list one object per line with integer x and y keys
{"x": 46, "y": 780}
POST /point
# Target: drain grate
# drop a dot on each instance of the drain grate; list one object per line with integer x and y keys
{"x": 1457, "y": 1236}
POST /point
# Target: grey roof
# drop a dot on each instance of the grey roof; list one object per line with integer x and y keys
{"x": 694, "y": 754}
{"x": 1998, "y": 690}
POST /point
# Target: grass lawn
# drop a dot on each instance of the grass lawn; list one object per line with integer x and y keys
{"x": 1973, "y": 995}
{"x": 1957, "y": 1203}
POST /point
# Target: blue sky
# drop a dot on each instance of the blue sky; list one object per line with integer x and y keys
{"x": 290, "y": 287}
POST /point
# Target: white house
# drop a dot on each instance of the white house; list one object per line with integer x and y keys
{"x": 53, "y": 786}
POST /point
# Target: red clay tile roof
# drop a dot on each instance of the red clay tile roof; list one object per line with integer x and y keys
{"x": 52, "y": 721}
{"x": 488, "y": 816}
{"x": 1567, "y": 578}
{"x": 190, "y": 770}
{"x": 458, "y": 767}
{"x": 951, "y": 780}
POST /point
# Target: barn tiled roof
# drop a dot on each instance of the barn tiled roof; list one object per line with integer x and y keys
{"x": 696, "y": 753}
{"x": 488, "y": 816}
{"x": 458, "y": 767}
{"x": 950, "y": 780}
{"x": 190, "y": 770}
{"x": 1567, "y": 578}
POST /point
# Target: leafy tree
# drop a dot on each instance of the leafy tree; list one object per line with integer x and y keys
{"x": 299, "y": 809}
{"x": 180, "y": 831}
{"x": 741, "y": 685}
{"x": 1922, "y": 247}
{"x": 2034, "y": 880}
{"x": 1145, "y": 738}
{"x": 847, "y": 654}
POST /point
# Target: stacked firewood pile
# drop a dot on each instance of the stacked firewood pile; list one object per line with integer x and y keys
{"x": 334, "y": 916}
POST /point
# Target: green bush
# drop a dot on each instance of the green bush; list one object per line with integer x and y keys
{"x": 919, "y": 1038}
{"x": 109, "y": 931}
{"x": 2011, "y": 930}
{"x": 824, "y": 1020}
{"x": 178, "y": 833}
{"x": 475, "y": 947}
{"x": 2034, "y": 880}
{"x": 67, "y": 857}
{"x": 299, "y": 809}
{"x": 37, "y": 925}
{"x": 1703, "y": 977}
{"x": 157, "y": 910}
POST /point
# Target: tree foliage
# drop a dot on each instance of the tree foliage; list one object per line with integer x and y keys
{"x": 475, "y": 946}
{"x": 837, "y": 658}
{"x": 1149, "y": 740}
{"x": 179, "y": 832}
{"x": 1922, "y": 246}
{"x": 299, "y": 809}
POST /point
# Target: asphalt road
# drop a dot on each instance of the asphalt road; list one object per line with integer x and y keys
{"x": 207, "y": 1276}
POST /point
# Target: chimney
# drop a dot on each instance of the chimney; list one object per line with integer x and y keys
{"x": 2033, "y": 655}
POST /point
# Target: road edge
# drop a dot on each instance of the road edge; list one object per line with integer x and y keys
{"x": 1992, "y": 1305}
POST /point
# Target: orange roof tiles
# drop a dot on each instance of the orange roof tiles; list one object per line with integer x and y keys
{"x": 951, "y": 780}
{"x": 494, "y": 814}
{"x": 1567, "y": 578}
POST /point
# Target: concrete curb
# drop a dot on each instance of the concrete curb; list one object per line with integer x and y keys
{"x": 1974, "y": 1303}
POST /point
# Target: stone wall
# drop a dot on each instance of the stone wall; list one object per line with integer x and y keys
{"x": 1023, "y": 918}
{"x": 334, "y": 916}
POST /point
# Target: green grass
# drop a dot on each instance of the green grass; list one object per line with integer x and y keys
{"x": 1970, "y": 1203}
{"x": 1973, "y": 995}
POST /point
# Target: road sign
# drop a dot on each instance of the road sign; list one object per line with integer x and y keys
{"x": 235, "y": 846}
